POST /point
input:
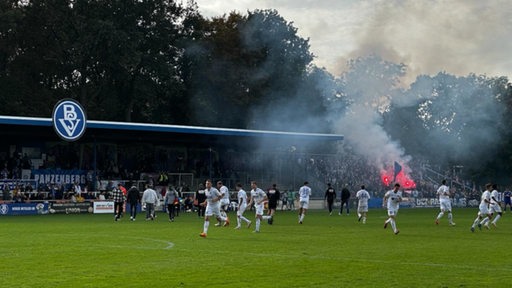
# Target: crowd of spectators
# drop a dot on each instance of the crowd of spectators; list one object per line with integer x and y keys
{"x": 287, "y": 167}
{"x": 12, "y": 166}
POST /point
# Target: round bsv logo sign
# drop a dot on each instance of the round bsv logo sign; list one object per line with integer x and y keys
{"x": 69, "y": 120}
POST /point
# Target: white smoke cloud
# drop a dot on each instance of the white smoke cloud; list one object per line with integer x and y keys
{"x": 362, "y": 128}
{"x": 456, "y": 36}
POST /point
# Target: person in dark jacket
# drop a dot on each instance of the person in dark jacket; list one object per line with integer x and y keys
{"x": 133, "y": 198}
{"x": 345, "y": 197}
{"x": 200, "y": 198}
{"x": 330, "y": 196}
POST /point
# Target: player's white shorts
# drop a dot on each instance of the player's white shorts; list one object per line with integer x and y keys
{"x": 445, "y": 205}
{"x": 304, "y": 204}
{"x": 213, "y": 209}
{"x": 241, "y": 209}
{"x": 392, "y": 212}
{"x": 259, "y": 208}
{"x": 224, "y": 202}
{"x": 483, "y": 209}
{"x": 362, "y": 208}
{"x": 495, "y": 208}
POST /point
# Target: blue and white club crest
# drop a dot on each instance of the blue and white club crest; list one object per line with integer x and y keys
{"x": 69, "y": 120}
{"x": 4, "y": 209}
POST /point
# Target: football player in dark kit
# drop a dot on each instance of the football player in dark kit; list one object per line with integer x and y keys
{"x": 273, "y": 196}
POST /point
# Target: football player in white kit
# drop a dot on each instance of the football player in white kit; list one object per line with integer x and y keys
{"x": 362, "y": 205}
{"x": 444, "y": 203}
{"x": 392, "y": 200}
{"x": 224, "y": 201}
{"x": 242, "y": 205}
{"x": 304, "y": 193}
{"x": 258, "y": 198}
{"x": 484, "y": 215}
{"x": 495, "y": 207}
{"x": 212, "y": 203}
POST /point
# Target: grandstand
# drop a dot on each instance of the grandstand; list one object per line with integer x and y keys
{"x": 116, "y": 151}
{"x": 112, "y": 152}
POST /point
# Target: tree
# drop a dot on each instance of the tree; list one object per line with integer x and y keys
{"x": 498, "y": 170}
{"x": 131, "y": 49}
{"x": 455, "y": 121}
{"x": 244, "y": 62}
{"x": 118, "y": 58}
{"x": 214, "y": 73}
{"x": 278, "y": 66}
{"x": 30, "y": 56}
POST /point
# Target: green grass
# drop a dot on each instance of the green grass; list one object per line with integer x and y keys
{"x": 325, "y": 251}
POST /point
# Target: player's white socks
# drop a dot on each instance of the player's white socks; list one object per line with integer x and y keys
{"x": 364, "y": 219}
{"x": 266, "y": 217}
{"x": 258, "y": 222}
{"x": 475, "y": 222}
{"x": 205, "y": 227}
{"x": 450, "y": 218}
{"x": 223, "y": 214}
{"x": 496, "y": 219}
{"x": 301, "y": 217}
{"x": 440, "y": 215}
{"x": 393, "y": 224}
{"x": 483, "y": 222}
{"x": 239, "y": 220}
{"x": 244, "y": 219}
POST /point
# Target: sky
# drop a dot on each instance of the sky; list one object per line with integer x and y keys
{"x": 429, "y": 36}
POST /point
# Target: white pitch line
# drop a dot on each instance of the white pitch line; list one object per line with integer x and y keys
{"x": 169, "y": 244}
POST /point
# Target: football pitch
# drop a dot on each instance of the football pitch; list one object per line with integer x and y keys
{"x": 87, "y": 250}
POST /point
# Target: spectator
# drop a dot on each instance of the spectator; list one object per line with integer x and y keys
{"x": 89, "y": 196}
{"x": 188, "y": 204}
{"x": 507, "y": 199}
{"x": 284, "y": 201}
{"x": 133, "y": 199}
{"x": 19, "y": 197}
{"x": 345, "y": 198}
{"x": 170, "y": 200}
{"x": 119, "y": 199}
{"x": 273, "y": 195}
{"x": 6, "y": 192}
{"x": 330, "y": 196}
{"x": 150, "y": 199}
{"x": 200, "y": 198}
{"x": 77, "y": 189}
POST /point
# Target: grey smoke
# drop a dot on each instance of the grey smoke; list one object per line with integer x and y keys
{"x": 461, "y": 115}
